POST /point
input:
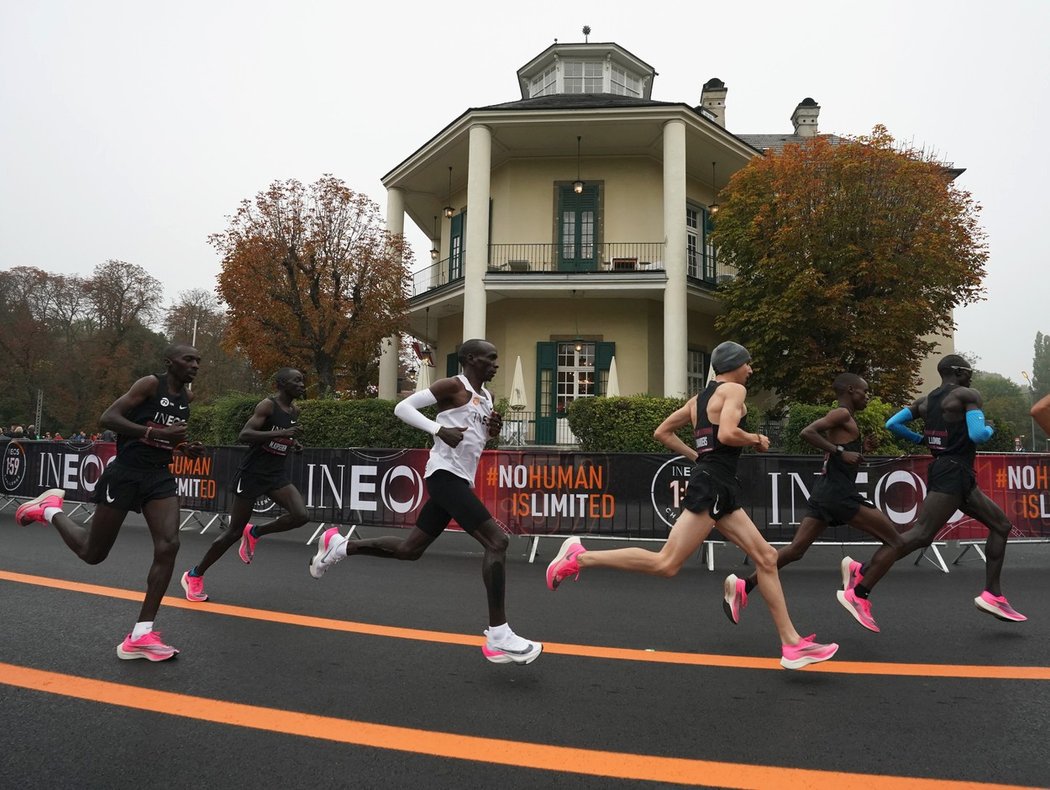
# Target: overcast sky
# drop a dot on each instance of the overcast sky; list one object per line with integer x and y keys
{"x": 130, "y": 130}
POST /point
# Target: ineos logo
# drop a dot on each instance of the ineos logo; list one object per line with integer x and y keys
{"x": 882, "y": 494}
{"x": 668, "y": 488}
{"x": 395, "y": 500}
{"x": 14, "y": 466}
{"x": 165, "y": 402}
{"x": 883, "y": 497}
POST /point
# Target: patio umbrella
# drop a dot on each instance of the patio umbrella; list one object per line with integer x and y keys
{"x": 423, "y": 377}
{"x": 518, "y": 401}
{"x": 612, "y": 389}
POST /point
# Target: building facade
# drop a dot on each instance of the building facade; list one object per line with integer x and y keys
{"x": 571, "y": 228}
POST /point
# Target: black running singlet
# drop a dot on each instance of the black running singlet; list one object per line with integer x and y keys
{"x": 839, "y": 476}
{"x": 269, "y": 456}
{"x": 946, "y": 438}
{"x": 705, "y": 436}
{"x": 159, "y": 411}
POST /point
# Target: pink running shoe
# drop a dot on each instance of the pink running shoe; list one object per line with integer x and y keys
{"x": 326, "y": 552}
{"x": 194, "y": 587}
{"x": 735, "y": 598}
{"x": 850, "y": 573}
{"x": 858, "y": 607}
{"x": 149, "y": 647}
{"x": 33, "y": 510}
{"x": 998, "y": 606}
{"x": 565, "y": 562}
{"x": 247, "y": 548}
{"x": 806, "y": 652}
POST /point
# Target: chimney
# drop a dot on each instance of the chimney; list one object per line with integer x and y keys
{"x": 805, "y": 118}
{"x": 713, "y": 99}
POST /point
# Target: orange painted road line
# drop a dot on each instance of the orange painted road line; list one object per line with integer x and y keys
{"x": 563, "y": 759}
{"x": 972, "y": 671}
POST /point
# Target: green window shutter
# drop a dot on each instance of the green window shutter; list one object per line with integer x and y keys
{"x": 603, "y": 354}
{"x": 452, "y": 364}
{"x": 546, "y": 375}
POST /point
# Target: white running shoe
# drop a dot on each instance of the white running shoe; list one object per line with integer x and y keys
{"x": 511, "y": 650}
{"x": 326, "y": 555}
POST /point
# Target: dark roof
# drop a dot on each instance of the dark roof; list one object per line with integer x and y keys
{"x": 776, "y": 142}
{"x": 567, "y": 101}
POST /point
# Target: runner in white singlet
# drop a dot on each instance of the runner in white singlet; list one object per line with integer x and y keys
{"x": 465, "y": 422}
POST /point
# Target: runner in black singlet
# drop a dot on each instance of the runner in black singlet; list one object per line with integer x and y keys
{"x": 150, "y": 422}
{"x": 272, "y": 432}
{"x": 712, "y": 497}
{"x": 834, "y": 499}
{"x": 954, "y": 425}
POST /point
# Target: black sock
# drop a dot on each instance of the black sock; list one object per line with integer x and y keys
{"x": 861, "y": 591}
{"x": 750, "y": 584}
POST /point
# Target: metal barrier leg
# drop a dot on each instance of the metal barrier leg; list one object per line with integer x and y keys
{"x": 321, "y": 526}
{"x": 938, "y": 562}
{"x": 317, "y": 532}
{"x": 966, "y": 548}
{"x": 534, "y": 543}
{"x": 220, "y": 517}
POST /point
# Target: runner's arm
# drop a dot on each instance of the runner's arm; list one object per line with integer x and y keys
{"x": 666, "y": 432}
{"x": 896, "y": 425}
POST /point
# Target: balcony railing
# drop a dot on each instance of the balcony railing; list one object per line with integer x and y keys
{"x": 435, "y": 276}
{"x": 612, "y": 259}
{"x": 546, "y": 258}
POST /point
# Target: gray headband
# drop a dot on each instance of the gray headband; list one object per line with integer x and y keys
{"x": 728, "y": 356}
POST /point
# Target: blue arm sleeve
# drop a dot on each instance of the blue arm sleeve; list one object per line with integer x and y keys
{"x": 896, "y": 425}
{"x": 979, "y": 432}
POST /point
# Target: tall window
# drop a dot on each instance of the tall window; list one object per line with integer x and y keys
{"x": 564, "y": 374}
{"x": 700, "y": 253}
{"x": 455, "y": 246}
{"x": 576, "y": 375}
{"x": 578, "y": 228}
{"x": 693, "y": 241}
{"x": 696, "y": 374}
{"x": 545, "y": 84}
{"x": 583, "y": 76}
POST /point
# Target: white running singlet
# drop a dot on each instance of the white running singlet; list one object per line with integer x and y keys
{"x": 472, "y": 415}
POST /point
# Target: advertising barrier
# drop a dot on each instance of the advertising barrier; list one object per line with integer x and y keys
{"x": 627, "y": 495}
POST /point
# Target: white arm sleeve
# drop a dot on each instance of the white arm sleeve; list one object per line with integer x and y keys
{"x": 408, "y": 411}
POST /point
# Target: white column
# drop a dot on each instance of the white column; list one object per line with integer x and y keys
{"x": 476, "y": 254}
{"x": 676, "y": 314}
{"x": 390, "y": 347}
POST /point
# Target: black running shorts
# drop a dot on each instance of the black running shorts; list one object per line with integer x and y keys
{"x": 124, "y": 488}
{"x": 834, "y": 512}
{"x": 451, "y": 497}
{"x": 947, "y": 476}
{"x": 713, "y": 492}
{"x": 251, "y": 486}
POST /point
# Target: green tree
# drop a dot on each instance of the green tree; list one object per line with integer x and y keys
{"x": 312, "y": 279}
{"x": 849, "y": 255}
{"x": 1006, "y": 406}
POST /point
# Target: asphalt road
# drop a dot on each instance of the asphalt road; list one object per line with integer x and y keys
{"x": 373, "y": 677}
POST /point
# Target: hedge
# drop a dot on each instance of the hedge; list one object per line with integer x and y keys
{"x": 326, "y": 423}
{"x": 602, "y": 425}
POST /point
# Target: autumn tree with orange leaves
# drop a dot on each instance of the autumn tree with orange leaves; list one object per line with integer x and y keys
{"x": 313, "y": 280}
{"x": 849, "y": 254}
